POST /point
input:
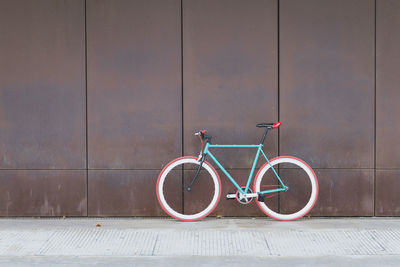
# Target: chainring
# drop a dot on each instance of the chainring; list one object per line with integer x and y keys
{"x": 244, "y": 200}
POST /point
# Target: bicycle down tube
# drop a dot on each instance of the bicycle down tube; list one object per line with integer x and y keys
{"x": 259, "y": 150}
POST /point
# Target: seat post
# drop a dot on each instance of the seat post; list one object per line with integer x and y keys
{"x": 265, "y": 135}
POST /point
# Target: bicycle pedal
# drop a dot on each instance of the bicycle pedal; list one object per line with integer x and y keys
{"x": 230, "y": 196}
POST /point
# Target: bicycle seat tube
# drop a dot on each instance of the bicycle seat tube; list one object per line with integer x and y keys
{"x": 264, "y": 136}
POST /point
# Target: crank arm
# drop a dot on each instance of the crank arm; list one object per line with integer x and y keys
{"x": 249, "y": 195}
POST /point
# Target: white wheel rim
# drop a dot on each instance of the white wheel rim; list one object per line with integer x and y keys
{"x": 313, "y": 195}
{"x": 192, "y": 216}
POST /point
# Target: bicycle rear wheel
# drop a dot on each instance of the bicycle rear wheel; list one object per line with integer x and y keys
{"x": 301, "y": 194}
{"x": 185, "y": 205}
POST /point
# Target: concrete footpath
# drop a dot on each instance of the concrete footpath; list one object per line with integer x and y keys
{"x": 167, "y": 242}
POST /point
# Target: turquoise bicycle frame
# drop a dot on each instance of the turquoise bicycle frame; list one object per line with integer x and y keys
{"x": 259, "y": 150}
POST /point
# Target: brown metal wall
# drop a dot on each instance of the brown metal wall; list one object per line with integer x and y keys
{"x": 387, "y": 108}
{"x": 229, "y": 62}
{"x": 134, "y": 101}
{"x": 93, "y": 105}
{"x": 42, "y": 108}
{"x": 327, "y": 98}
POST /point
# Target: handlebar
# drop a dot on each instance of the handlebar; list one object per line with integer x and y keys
{"x": 203, "y": 135}
{"x": 201, "y": 132}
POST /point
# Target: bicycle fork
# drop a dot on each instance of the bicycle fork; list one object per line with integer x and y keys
{"x": 202, "y": 159}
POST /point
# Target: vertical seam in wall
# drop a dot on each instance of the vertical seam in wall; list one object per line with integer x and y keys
{"x": 375, "y": 109}
{"x": 278, "y": 74}
{"x": 182, "y": 130}
{"x": 87, "y": 139}
{"x": 278, "y": 87}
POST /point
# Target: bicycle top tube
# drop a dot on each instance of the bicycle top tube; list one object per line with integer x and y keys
{"x": 235, "y": 146}
{"x": 208, "y": 145}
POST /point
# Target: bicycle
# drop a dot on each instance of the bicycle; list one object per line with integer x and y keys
{"x": 285, "y": 188}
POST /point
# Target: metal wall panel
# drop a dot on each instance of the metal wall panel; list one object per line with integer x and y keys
{"x": 134, "y": 83}
{"x": 43, "y": 193}
{"x": 344, "y": 192}
{"x": 387, "y": 84}
{"x": 327, "y": 82}
{"x": 387, "y": 193}
{"x": 123, "y": 193}
{"x": 229, "y": 74}
{"x": 42, "y": 84}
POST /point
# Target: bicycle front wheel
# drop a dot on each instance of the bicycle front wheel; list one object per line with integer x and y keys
{"x": 180, "y": 203}
{"x": 301, "y": 193}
